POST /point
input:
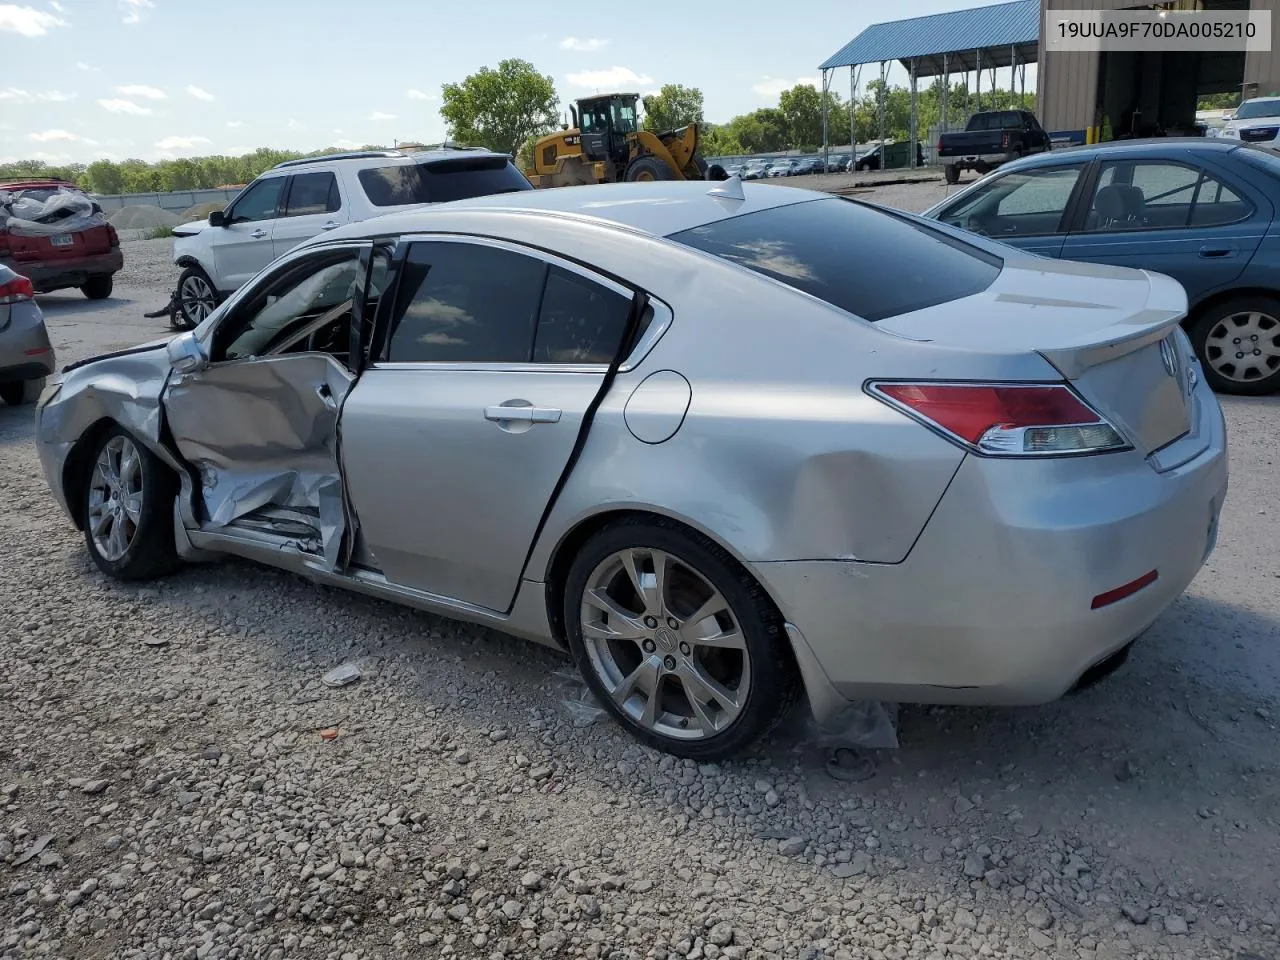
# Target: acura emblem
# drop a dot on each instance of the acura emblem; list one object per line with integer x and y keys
{"x": 1169, "y": 358}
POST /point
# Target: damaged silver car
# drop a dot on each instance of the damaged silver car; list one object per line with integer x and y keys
{"x": 727, "y": 445}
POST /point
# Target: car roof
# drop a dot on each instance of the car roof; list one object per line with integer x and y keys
{"x": 1260, "y": 100}
{"x": 35, "y": 184}
{"x": 383, "y": 158}
{"x": 1158, "y": 146}
{"x": 659, "y": 209}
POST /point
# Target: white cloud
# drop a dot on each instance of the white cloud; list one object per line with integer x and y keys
{"x": 18, "y": 95}
{"x": 57, "y": 96}
{"x": 379, "y": 115}
{"x": 135, "y": 10}
{"x": 57, "y": 6}
{"x": 346, "y": 144}
{"x": 87, "y": 68}
{"x": 611, "y": 79}
{"x": 55, "y": 159}
{"x": 419, "y": 95}
{"x": 584, "y": 45}
{"x": 233, "y": 124}
{"x": 15, "y": 94}
{"x": 773, "y": 86}
{"x": 27, "y": 21}
{"x": 180, "y": 143}
{"x": 538, "y": 37}
{"x": 199, "y": 93}
{"x": 50, "y": 136}
{"x": 142, "y": 90}
{"x": 294, "y": 124}
{"x": 124, "y": 106}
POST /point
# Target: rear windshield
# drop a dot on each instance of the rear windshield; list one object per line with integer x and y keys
{"x": 1261, "y": 158}
{"x": 1004, "y": 120}
{"x": 1252, "y": 109}
{"x": 872, "y": 263}
{"x": 441, "y": 181}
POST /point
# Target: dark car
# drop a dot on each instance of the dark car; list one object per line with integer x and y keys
{"x": 54, "y": 234}
{"x": 989, "y": 139}
{"x": 1203, "y": 211}
{"x": 871, "y": 160}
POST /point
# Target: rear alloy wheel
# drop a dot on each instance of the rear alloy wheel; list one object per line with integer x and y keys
{"x": 677, "y": 641}
{"x": 647, "y": 169}
{"x": 98, "y": 287}
{"x": 1238, "y": 343}
{"x": 22, "y": 392}
{"x": 128, "y": 510}
{"x": 196, "y": 297}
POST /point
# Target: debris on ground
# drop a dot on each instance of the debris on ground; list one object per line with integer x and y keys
{"x": 343, "y": 675}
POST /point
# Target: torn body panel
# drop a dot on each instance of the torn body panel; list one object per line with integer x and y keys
{"x": 262, "y": 435}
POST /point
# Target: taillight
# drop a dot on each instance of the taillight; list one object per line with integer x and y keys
{"x": 938, "y": 146}
{"x": 16, "y": 290}
{"x": 114, "y": 237}
{"x": 1005, "y": 419}
{"x": 1004, "y": 141}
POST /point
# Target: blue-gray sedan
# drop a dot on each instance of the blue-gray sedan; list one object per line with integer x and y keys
{"x": 1203, "y": 211}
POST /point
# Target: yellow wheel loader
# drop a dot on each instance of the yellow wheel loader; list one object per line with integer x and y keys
{"x": 605, "y": 145}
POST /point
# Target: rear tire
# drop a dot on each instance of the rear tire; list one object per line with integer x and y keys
{"x": 1255, "y": 323}
{"x": 952, "y": 173}
{"x": 197, "y": 298}
{"x": 98, "y": 287}
{"x": 647, "y": 168}
{"x": 21, "y": 393}
{"x": 128, "y": 509}
{"x": 629, "y": 647}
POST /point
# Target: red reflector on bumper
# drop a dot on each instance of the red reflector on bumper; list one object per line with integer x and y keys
{"x": 1128, "y": 590}
{"x": 36, "y": 352}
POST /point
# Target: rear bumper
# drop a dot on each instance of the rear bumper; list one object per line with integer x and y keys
{"x": 60, "y": 274}
{"x": 970, "y": 160}
{"x": 25, "y": 351}
{"x": 993, "y": 604}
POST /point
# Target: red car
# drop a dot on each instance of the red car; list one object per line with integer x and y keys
{"x": 57, "y": 244}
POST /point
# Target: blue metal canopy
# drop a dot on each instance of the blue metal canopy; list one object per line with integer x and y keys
{"x": 996, "y": 36}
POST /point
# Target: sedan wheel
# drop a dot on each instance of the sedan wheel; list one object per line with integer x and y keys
{"x": 677, "y": 641}
{"x": 1239, "y": 345}
{"x": 128, "y": 509}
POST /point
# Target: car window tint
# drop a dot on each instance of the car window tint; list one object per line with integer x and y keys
{"x": 1155, "y": 194}
{"x": 440, "y": 181}
{"x": 1016, "y": 204}
{"x": 580, "y": 322}
{"x": 842, "y": 251}
{"x": 259, "y": 201}
{"x": 312, "y": 193}
{"x": 1165, "y": 183}
{"x": 462, "y": 302}
{"x": 1215, "y": 204}
{"x": 297, "y": 296}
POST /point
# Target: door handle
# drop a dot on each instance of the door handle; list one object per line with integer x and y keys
{"x": 330, "y": 225}
{"x": 501, "y": 413}
{"x": 1209, "y": 252}
{"x": 258, "y": 234}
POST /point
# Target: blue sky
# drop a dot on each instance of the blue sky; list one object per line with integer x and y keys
{"x": 85, "y": 79}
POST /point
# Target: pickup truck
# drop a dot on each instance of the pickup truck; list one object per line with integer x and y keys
{"x": 991, "y": 138}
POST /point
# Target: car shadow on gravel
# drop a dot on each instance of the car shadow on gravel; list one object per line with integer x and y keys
{"x": 73, "y": 303}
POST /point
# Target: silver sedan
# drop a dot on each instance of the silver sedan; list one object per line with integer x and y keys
{"x": 726, "y": 444}
{"x": 26, "y": 356}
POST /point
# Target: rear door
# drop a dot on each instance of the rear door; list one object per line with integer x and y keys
{"x": 244, "y": 246}
{"x": 1025, "y": 208}
{"x": 313, "y": 204}
{"x": 1179, "y": 218}
{"x": 456, "y": 436}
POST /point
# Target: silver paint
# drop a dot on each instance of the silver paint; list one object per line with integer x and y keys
{"x": 657, "y": 407}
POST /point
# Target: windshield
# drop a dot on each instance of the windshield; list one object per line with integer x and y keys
{"x": 624, "y": 117}
{"x": 1004, "y": 120}
{"x": 1251, "y": 109}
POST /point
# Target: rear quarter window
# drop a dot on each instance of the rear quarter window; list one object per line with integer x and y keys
{"x": 869, "y": 262}
{"x": 440, "y": 181}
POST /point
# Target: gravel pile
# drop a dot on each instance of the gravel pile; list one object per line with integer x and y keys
{"x": 141, "y": 217}
{"x": 176, "y": 781}
{"x": 200, "y": 211}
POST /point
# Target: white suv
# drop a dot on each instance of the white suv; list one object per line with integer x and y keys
{"x": 1256, "y": 121}
{"x": 298, "y": 199}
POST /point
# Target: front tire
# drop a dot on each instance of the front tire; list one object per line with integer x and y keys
{"x": 23, "y": 392}
{"x": 197, "y": 298}
{"x": 647, "y": 169}
{"x": 98, "y": 287}
{"x": 1238, "y": 343}
{"x": 128, "y": 509}
{"x": 679, "y": 643}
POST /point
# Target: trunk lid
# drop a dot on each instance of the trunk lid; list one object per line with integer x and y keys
{"x": 1112, "y": 332}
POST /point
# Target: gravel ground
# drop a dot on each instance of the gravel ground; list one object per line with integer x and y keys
{"x": 176, "y": 781}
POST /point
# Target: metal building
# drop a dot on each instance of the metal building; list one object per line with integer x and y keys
{"x": 1088, "y": 95}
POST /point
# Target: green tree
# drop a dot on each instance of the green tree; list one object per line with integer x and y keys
{"x": 718, "y": 140}
{"x": 500, "y": 109}
{"x": 103, "y": 176}
{"x": 761, "y": 131}
{"x": 801, "y": 108}
{"x": 1218, "y": 101}
{"x": 673, "y": 107}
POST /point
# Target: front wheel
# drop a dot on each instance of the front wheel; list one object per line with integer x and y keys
{"x": 196, "y": 298}
{"x": 128, "y": 509}
{"x": 1238, "y": 343}
{"x": 646, "y": 169}
{"x": 677, "y": 641}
